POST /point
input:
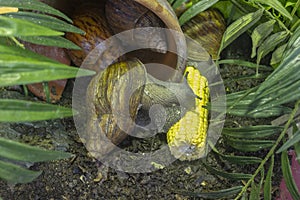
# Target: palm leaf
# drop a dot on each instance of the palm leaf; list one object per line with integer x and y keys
{"x": 22, "y": 111}
{"x": 268, "y": 181}
{"x": 288, "y": 177}
{"x": 242, "y": 104}
{"x": 293, "y": 140}
{"x": 57, "y": 41}
{"x": 260, "y": 33}
{"x": 270, "y": 44}
{"x": 277, "y": 6}
{"x": 240, "y": 160}
{"x": 46, "y": 20}
{"x": 21, "y": 66}
{"x": 16, "y": 151}
{"x": 195, "y": 9}
{"x": 282, "y": 86}
{"x": 245, "y": 63}
{"x": 34, "y": 5}
{"x": 252, "y": 132}
{"x": 19, "y": 27}
{"x": 177, "y": 4}
{"x": 254, "y": 192}
{"x": 232, "y": 176}
{"x": 249, "y": 145}
{"x": 15, "y": 174}
{"x": 277, "y": 55}
{"x": 21, "y": 152}
{"x": 239, "y": 27}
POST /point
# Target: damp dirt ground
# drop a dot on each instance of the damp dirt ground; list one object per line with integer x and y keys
{"x": 76, "y": 178}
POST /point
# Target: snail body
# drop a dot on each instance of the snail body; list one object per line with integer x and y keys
{"x": 116, "y": 94}
{"x": 114, "y": 107}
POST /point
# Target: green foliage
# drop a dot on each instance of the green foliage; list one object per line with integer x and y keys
{"x": 268, "y": 181}
{"x": 20, "y": 66}
{"x": 239, "y": 160}
{"x": 242, "y": 104}
{"x": 34, "y": 5}
{"x": 232, "y": 176}
{"x": 237, "y": 28}
{"x": 254, "y": 193}
{"x": 195, "y": 9}
{"x": 249, "y": 145}
{"x": 288, "y": 177}
{"x": 30, "y": 67}
{"x": 274, "y": 27}
{"x": 22, "y": 152}
{"x": 26, "y": 111}
{"x": 16, "y": 174}
{"x": 190, "y": 8}
{"x": 294, "y": 139}
{"x": 260, "y": 33}
{"x": 19, "y": 27}
{"x": 14, "y": 151}
{"x": 52, "y": 22}
{"x": 250, "y": 132}
{"x": 270, "y": 44}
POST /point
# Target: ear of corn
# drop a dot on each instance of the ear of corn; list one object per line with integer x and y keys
{"x": 187, "y": 137}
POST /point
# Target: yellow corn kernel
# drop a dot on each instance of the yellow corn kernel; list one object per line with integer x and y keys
{"x": 187, "y": 137}
{"x": 4, "y": 10}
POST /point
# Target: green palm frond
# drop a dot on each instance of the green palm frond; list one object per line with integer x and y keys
{"x": 288, "y": 176}
{"x": 229, "y": 192}
{"x": 274, "y": 29}
{"x": 20, "y": 66}
{"x": 27, "y": 66}
{"x": 18, "y": 152}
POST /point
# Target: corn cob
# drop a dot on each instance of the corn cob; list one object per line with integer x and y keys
{"x": 187, "y": 137}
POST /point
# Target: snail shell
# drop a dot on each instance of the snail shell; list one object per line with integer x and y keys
{"x": 109, "y": 120}
{"x": 104, "y": 128}
{"x": 115, "y": 96}
{"x": 206, "y": 28}
{"x": 90, "y": 18}
{"x": 124, "y": 15}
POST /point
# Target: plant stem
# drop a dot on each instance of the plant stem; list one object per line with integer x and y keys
{"x": 271, "y": 152}
{"x": 295, "y": 8}
{"x": 295, "y": 25}
{"x": 17, "y": 42}
{"x": 275, "y": 18}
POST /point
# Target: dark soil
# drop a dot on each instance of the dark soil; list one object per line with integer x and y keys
{"x": 75, "y": 178}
